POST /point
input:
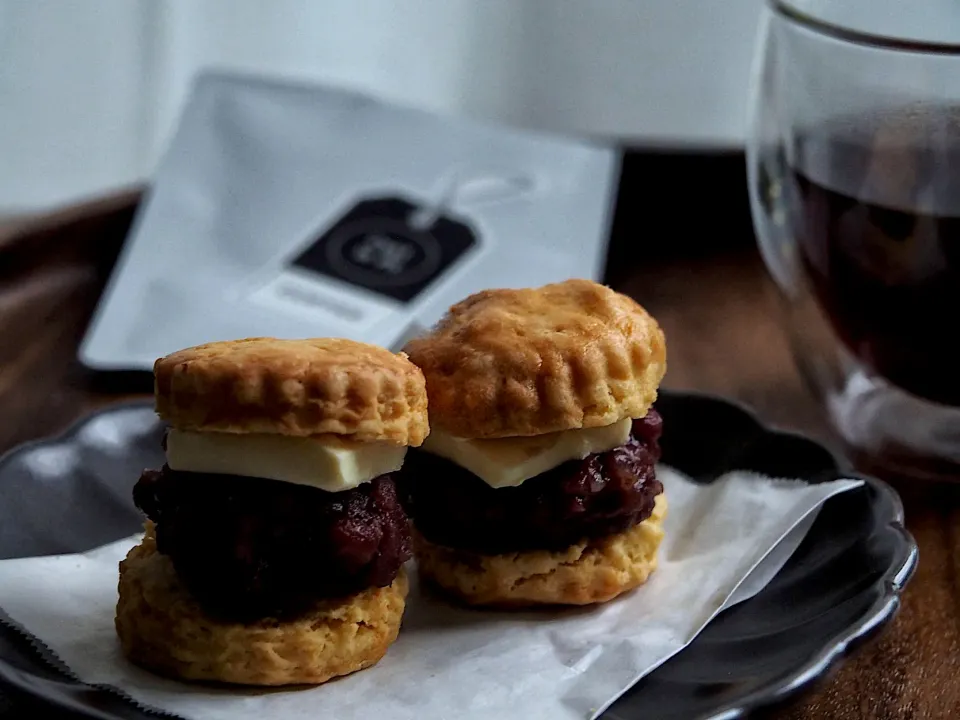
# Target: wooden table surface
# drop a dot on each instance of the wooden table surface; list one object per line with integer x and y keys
{"x": 722, "y": 323}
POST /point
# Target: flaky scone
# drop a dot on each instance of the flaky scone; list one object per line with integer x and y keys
{"x": 507, "y": 363}
{"x": 592, "y": 571}
{"x": 294, "y": 387}
{"x": 162, "y": 628}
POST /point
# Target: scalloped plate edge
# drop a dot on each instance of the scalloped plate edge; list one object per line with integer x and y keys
{"x": 782, "y": 690}
{"x": 872, "y": 621}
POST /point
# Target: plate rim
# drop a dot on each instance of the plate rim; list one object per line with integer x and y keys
{"x": 873, "y": 620}
{"x": 776, "y": 692}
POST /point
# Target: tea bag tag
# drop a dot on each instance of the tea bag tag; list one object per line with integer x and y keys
{"x": 462, "y": 190}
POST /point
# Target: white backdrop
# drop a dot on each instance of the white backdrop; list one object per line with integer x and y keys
{"x": 89, "y": 89}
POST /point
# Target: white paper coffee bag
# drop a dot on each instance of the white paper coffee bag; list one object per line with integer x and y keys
{"x": 297, "y": 211}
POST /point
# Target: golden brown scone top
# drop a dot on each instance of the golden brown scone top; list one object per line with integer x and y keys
{"x": 505, "y": 363}
{"x": 294, "y": 387}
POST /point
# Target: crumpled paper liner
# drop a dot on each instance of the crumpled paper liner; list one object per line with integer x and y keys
{"x": 724, "y": 542}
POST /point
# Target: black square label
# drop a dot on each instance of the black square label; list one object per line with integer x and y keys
{"x": 375, "y": 246}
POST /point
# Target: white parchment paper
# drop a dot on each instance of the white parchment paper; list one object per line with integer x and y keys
{"x": 723, "y": 544}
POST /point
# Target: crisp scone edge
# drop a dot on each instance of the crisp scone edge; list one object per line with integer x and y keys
{"x": 592, "y": 571}
{"x": 506, "y": 363}
{"x": 294, "y": 387}
{"x": 162, "y": 628}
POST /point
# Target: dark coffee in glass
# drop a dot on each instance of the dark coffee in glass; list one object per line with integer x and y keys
{"x": 853, "y": 162}
{"x": 877, "y": 222}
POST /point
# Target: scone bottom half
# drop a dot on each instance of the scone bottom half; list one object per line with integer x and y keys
{"x": 275, "y": 534}
{"x": 539, "y": 485}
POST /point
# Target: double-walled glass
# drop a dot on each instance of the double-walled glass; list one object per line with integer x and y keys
{"x": 854, "y": 173}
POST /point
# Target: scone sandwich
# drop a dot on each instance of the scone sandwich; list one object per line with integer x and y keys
{"x": 537, "y": 484}
{"x": 275, "y": 541}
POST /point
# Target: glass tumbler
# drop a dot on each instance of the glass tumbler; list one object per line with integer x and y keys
{"x": 854, "y": 178}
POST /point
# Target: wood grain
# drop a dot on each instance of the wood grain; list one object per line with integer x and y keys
{"x": 723, "y": 325}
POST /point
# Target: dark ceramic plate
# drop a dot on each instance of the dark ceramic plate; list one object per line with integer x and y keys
{"x": 72, "y": 493}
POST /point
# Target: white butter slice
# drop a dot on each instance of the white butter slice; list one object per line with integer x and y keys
{"x": 328, "y": 463}
{"x": 507, "y": 462}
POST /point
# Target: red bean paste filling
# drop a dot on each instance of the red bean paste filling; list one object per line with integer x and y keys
{"x": 600, "y": 495}
{"x": 250, "y": 548}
